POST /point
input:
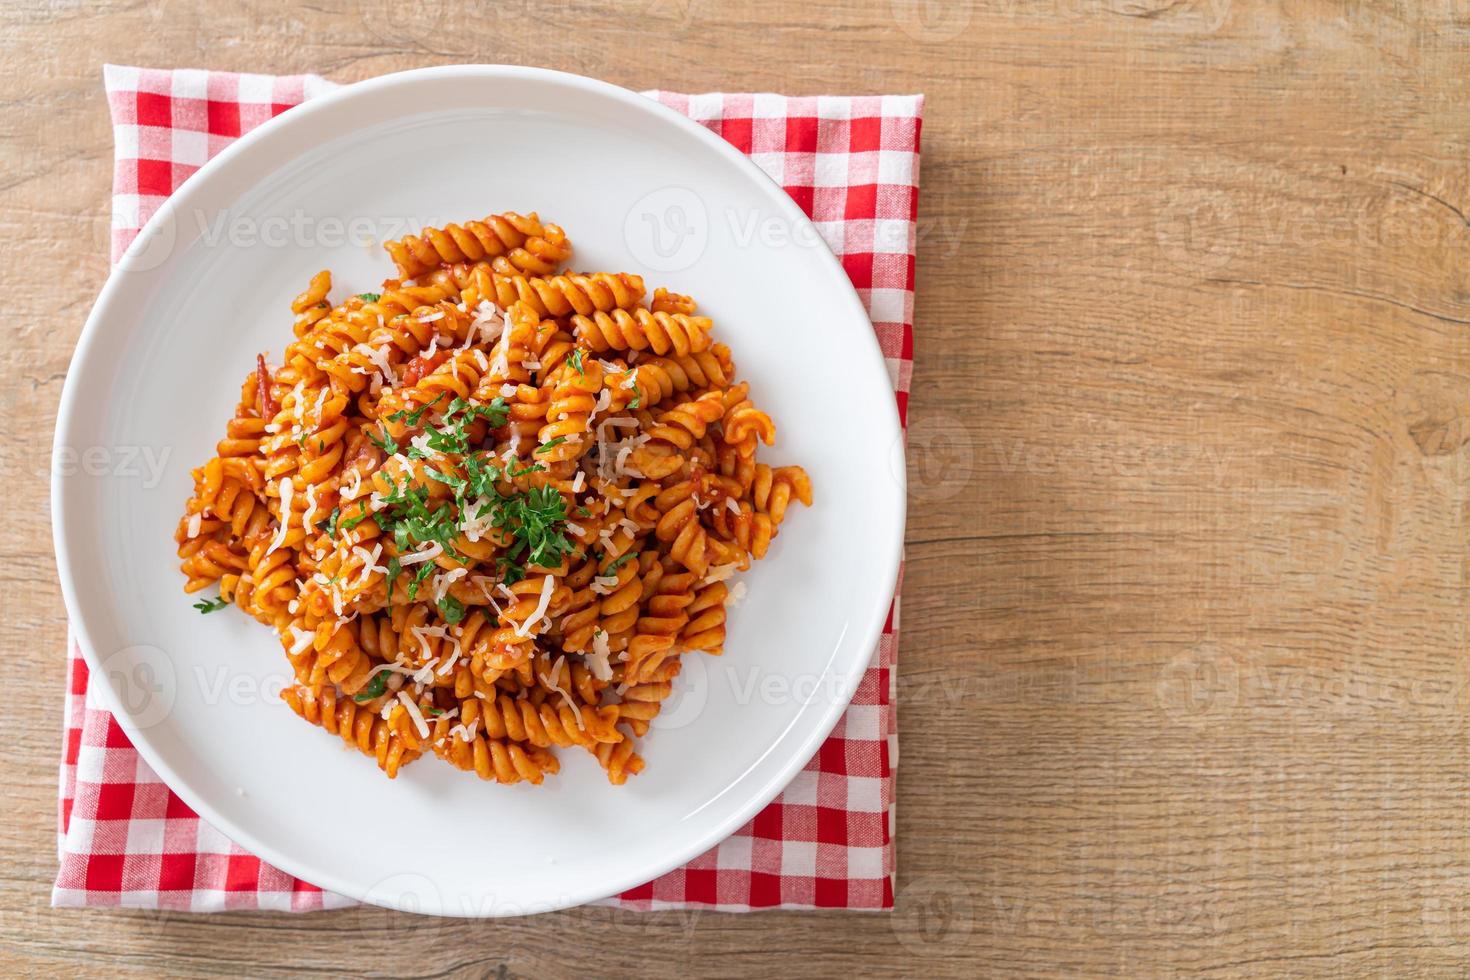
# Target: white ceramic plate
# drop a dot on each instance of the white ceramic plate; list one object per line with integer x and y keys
{"x": 207, "y": 286}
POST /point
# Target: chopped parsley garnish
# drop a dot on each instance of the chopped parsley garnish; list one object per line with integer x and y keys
{"x": 412, "y": 419}
{"x": 452, "y": 434}
{"x": 451, "y": 609}
{"x": 374, "y": 689}
{"x": 451, "y": 480}
{"x": 495, "y": 412}
{"x": 619, "y": 562}
{"x": 576, "y": 360}
{"x": 369, "y": 297}
{"x": 535, "y": 519}
{"x": 386, "y": 443}
{"x": 352, "y": 522}
{"x": 409, "y": 517}
{"x": 547, "y": 446}
{"x": 211, "y": 605}
{"x": 418, "y": 579}
{"x": 637, "y": 397}
{"x": 329, "y": 523}
{"x": 532, "y": 521}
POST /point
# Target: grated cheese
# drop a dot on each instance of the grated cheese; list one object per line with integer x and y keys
{"x": 488, "y": 323}
{"x": 473, "y": 526}
{"x": 354, "y": 484}
{"x": 379, "y": 357}
{"x": 463, "y": 732}
{"x": 719, "y": 573}
{"x": 553, "y": 683}
{"x": 300, "y": 639}
{"x": 398, "y": 669}
{"x": 306, "y": 524}
{"x": 369, "y": 564}
{"x": 415, "y": 714}
{"x": 444, "y": 580}
{"x": 434, "y": 550}
{"x": 284, "y": 488}
{"x": 597, "y": 659}
{"x": 524, "y": 629}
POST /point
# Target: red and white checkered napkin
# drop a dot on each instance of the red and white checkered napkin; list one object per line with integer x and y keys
{"x": 827, "y": 840}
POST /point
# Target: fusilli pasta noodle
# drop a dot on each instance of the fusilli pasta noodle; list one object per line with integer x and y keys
{"x": 488, "y": 508}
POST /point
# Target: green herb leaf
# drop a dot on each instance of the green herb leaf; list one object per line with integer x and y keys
{"x": 386, "y": 443}
{"x": 211, "y": 605}
{"x": 510, "y": 572}
{"x": 374, "y": 689}
{"x": 451, "y": 609}
{"x": 576, "y": 360}
{"x": 369, "y": 297}
{"x": 361, "y": 515}
{"x": 423, "y": 573}
{"x": 620, "y": 561}
{"x": 412, "y": 419}
{"x": 547, "y": 446}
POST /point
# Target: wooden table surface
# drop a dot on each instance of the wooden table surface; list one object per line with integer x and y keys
{"x": 1183, "y": 678}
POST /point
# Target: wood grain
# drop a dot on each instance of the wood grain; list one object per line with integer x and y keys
{"x": 1183, "y": 677}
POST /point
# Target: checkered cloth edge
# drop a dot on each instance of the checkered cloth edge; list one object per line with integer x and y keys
{"x": 827, "y": 841}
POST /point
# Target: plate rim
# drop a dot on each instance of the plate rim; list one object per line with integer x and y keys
{"x": 70, "y": 408}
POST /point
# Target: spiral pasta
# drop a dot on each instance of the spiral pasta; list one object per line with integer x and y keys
{"x": 489, "y": 507}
